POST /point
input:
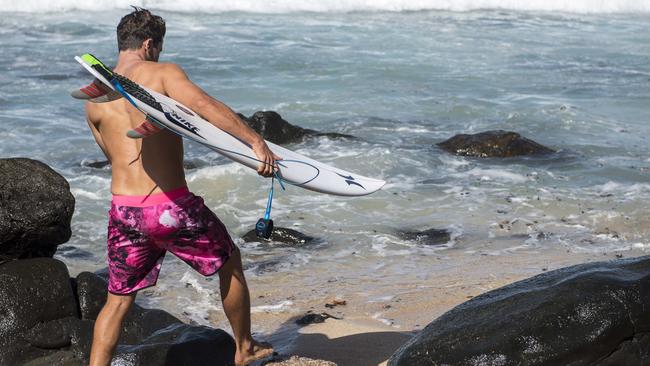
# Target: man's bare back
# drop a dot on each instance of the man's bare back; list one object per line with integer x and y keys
{"x": 140, "y": 166}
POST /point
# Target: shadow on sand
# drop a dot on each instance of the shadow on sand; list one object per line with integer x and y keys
{"x": 340, "y": 341}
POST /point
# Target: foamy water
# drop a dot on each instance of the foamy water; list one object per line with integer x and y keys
{"x": 287, "y": 6}
{"x": 574, "y": 79}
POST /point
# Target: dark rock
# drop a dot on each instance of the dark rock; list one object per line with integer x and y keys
{"x": 139, "y": 323}
{"x": 81, "y": 339}
{"x": 32, "y": 291}
{"x": 35, "y": 209}
{"x": 589, "y": 314}
{"x": 180, "y": 345}
{"x": 426, "y": 237}
{"x": 280, "y": 235}
{"x": 334, "y": 135}
{"x": 274, "y": 128}
{"x": 498, "y": 144}
{"x": 70, "y": 251}
{"x": 91, "y": 294}
{"x": 53, "y": 334}
{"x": 59, "y": 358}
{"x": 262, "y": 267}
{"x": 97, "y": 164}
{"x": 193, "y": 164}
{"x": 311, "y": 318}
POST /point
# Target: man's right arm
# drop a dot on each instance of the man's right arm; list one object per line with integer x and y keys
{"x": 178, "y": 86}
{"x": 95, "y": 131}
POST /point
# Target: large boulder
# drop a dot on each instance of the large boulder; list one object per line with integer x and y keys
{"x": 273, "y": 127}
{"x": 46, "y": 318}
{"x": 36, "y": 207}
{"x": 180, "y": 345}
{"x": 493, "y": 144}
{"x": 33, "y": 293}
{"x": 589, "y": 314}
{"x": 138, "y": 324}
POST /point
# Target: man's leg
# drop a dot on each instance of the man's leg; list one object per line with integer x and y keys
{"x": 237, "y": 306}
{"x": 107, "y": 328}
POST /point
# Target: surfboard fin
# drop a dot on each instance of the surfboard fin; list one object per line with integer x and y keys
{"x": 96, "y": 92}
{"x": 147, "y": 128}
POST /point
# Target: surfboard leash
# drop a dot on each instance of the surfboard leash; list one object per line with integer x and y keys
{"x": 264, "y": 226}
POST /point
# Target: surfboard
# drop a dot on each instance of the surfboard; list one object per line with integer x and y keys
{"x": 165, "y": 112}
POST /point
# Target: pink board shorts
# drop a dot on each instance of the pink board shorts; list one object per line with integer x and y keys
{"x": 142, "y": 229}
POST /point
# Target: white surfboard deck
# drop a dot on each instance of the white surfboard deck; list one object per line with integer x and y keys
{"x": 293, "y": 167}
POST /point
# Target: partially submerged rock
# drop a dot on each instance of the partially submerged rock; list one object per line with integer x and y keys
{"x": 280, "y": 235}
{"x": 274, "y": 128}
{"x": 36, "y": 207}
{"x": 96, "y": 164}
{"x": 497, "y": 144}
{"x": 589, "y": 314}
{"x": 426, "y": 237}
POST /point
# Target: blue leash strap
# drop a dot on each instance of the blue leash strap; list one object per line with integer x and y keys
{"x": 267, "y": 213}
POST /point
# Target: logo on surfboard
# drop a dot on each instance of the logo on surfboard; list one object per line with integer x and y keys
{"x": 350, "y": 180}
{"x": 185, "y": 110}
{"x": 179, "y": 121}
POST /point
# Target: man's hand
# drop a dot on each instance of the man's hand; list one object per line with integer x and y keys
{"x": 179, "y": 87}
{"x": 268, "y": 165}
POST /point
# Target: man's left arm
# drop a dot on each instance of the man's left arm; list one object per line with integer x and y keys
{"x": 178, "y": 86}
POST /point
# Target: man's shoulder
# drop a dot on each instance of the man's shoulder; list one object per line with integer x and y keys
{"x": 162, "y": 66}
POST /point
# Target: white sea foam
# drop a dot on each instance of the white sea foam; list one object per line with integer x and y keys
{"x": 200, "y": 307}
{"x": 287, "y": 6}
{"x": 493, "y": 174}
{"x": 627, "y": 190}
{"x": 379, "y": 317}
{"x": 212, "y": 172}
{"x": 276, "y": 308}
{"x": 78, "y": 192}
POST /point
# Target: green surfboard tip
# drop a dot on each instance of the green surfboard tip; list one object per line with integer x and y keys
{"x": 94, "y": 61}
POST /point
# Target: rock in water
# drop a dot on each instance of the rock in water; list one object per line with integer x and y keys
{"x": 589, "y": 314}
{"x": 426, "y": 237}
{"x": 35, "y": 209}
{"x": 280, "y": 235}
{"x": 273, "y": 127}
{"x": 493, "y": 144}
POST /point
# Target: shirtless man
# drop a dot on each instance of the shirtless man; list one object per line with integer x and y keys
{"x": 152, "y": 210}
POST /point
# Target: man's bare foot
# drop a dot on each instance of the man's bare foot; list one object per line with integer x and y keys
{"x": 256, "y": 351}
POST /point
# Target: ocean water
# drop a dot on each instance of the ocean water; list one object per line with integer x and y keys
{"x": 401, "y": 76}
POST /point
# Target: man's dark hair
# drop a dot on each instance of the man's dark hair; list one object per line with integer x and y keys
{"x": 136, "y": 27}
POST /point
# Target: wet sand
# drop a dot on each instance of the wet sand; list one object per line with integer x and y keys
{"x": 385, "y": 302}
{"x": 368, "y": 332}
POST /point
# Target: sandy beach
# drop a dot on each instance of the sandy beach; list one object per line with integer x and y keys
{"x": 367, "y": 332}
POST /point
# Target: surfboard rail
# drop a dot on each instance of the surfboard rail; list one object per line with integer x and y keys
{"x": 168, "y": 113}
